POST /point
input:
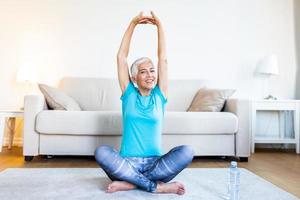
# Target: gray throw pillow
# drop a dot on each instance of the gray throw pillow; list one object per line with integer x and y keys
{"x": 58, "y": 100}
{"x": 210, "y": 100}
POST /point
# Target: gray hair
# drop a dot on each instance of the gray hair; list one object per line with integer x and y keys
{"x": 136, "y": 63}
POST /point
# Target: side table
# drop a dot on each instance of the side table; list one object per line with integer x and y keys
{"x": 11, "y": 115}
{"x": 276, "y": 105}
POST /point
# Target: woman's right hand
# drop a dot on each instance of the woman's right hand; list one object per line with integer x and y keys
{"x": 140, "y": 19}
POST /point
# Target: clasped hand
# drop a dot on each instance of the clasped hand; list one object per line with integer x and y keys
{"x": 141, "y": 19}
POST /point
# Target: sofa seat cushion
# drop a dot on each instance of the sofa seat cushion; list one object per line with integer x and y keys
{"x": 110, "y": 122}
{"x": 200, "y": 123}
{"x": 79, "y": 122}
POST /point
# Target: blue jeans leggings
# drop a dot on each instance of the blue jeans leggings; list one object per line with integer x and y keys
{"x": 144, "y": 172}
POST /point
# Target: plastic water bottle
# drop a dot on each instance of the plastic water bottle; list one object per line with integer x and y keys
{"x": 234, "y": 181}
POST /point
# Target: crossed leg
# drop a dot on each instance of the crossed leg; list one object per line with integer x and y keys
{"x": 118, "y": 168}
{"x": 168, "y": 166}
{"x": 126, "y": 177}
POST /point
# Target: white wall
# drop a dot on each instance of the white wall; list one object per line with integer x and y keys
{"x": 212, "y": 39}
{"x": 297, "y": 33}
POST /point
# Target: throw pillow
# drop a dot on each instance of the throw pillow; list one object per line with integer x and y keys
{"x": 209, "y": 100}
{"x": 58, "y": 100}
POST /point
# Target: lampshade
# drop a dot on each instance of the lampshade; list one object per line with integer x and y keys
{"x": 27, "y": 73}
{"x": 268, "y": 65}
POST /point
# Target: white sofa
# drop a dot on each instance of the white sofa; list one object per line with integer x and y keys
{"x": 54, "y": 132}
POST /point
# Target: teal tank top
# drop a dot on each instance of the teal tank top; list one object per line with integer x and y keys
{"x": 142, "y": 122}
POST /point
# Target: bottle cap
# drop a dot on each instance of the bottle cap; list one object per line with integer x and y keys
{"x": 233, "y": 163}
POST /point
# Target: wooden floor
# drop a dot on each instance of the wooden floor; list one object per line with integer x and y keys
{"x": 282, "y": 168}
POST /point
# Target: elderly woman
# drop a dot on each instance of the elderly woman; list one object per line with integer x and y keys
{"x": 140, "y": 162}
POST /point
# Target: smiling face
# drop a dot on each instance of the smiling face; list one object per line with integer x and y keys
{"x": 146, "y": 77}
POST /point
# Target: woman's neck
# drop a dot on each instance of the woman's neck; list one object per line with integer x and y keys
{"x": 144, "y": 92}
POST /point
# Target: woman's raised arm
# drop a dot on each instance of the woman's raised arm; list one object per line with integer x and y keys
{"x": 123, "y": 71}
{"x": 162, "y": 57}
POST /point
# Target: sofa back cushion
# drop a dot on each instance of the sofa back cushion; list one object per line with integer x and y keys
{"x": 182, "y": 92}
{"x": 93, "y": 93}
{"x": 105, "y": 93}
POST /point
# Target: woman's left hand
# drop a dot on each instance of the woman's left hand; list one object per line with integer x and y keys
{"x": 155, "y": 20}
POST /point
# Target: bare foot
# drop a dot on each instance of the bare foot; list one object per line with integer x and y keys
{"x": 174, "y": 187}
{"x": 119, "y": 186}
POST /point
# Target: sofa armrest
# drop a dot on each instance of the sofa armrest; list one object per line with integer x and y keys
{"x": 241, "y": 108}
{"x": 33, "y": 104}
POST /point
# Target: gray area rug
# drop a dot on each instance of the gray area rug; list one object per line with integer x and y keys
{"x": 90, "y": 183}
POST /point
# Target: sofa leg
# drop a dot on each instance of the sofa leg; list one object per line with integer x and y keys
{"x": 243, "y": 159}
{"x": 49, "y": 156}
{"x": 28, "y": 158}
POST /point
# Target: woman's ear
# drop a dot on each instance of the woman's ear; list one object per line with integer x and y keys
{"x": 133, "y": 79}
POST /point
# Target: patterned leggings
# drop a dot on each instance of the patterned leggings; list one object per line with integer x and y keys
{"x": 144, "y": 172}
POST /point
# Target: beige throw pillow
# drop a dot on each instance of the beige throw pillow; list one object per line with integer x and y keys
{"x": 57, "y": 99}
{"x": 209, "y": 100}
